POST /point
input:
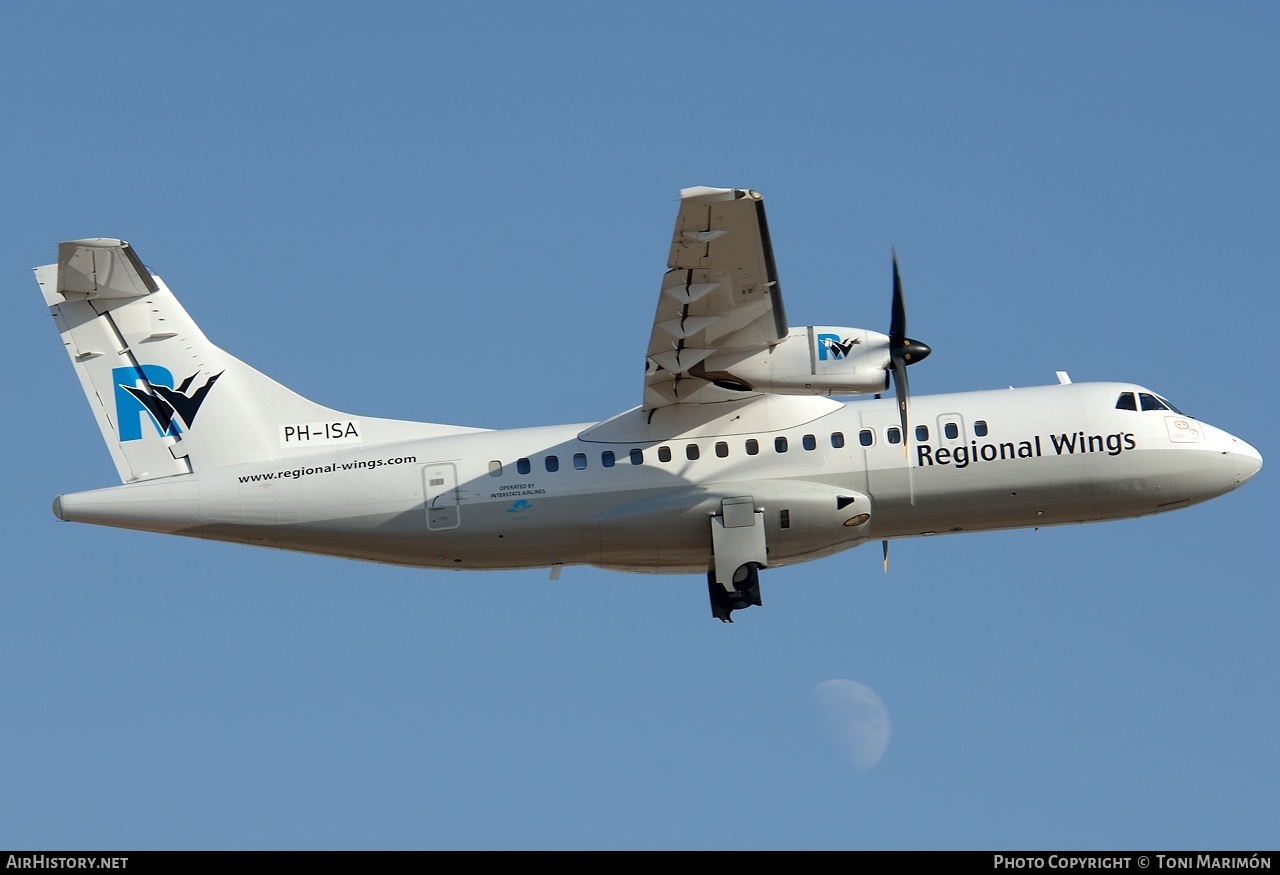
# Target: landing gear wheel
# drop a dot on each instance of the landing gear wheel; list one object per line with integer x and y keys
{"x": 746, "y": 582}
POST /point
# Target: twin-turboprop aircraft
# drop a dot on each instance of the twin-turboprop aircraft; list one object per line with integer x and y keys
{"x": 736, "y": 460}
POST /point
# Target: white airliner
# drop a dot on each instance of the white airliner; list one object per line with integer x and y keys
{"x": 737, "y": 458}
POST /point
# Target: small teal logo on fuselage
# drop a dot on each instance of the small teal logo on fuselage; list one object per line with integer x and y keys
{"x": 521, "y": 506}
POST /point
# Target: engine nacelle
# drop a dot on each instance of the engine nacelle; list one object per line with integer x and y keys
{"x": 814, "y": 360}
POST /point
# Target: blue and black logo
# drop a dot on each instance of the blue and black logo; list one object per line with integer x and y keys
{"x": 150, "y": 388}
{"x": 837, "y": 348}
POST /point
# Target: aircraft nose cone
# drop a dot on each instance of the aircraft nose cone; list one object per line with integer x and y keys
{"x": 1248, "y": 461}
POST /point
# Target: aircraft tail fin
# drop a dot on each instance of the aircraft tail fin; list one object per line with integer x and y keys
{"x": 166, "y": 399}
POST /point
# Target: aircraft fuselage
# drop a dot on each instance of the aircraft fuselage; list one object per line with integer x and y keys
{"x": 638, "y": 493}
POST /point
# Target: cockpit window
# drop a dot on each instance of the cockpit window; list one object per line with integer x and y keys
{"x": 1145, "y": 401}
{"x": 1150, "y": 402}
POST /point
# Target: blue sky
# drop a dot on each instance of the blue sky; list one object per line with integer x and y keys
{"x": 462, "y": 215}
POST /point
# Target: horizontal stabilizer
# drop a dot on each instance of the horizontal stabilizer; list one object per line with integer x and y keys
{"x": 101, "y": 267}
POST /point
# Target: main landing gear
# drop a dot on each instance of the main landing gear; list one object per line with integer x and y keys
{"x": 746, "y": 591}
{"x": 738, "y": 552}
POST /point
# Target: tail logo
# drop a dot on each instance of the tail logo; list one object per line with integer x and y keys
{"x": 150, "y": 389}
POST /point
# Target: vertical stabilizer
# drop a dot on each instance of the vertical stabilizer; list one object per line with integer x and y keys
{"x": 167, "y": 400}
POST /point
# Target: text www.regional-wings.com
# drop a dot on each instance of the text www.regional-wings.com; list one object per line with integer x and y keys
{"x": 295, "y": 473}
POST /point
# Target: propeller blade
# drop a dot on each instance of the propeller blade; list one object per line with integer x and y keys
{"x": 898, "y": 318}
{"x": 901, "y": 387}
{"x": 885, "y": 546}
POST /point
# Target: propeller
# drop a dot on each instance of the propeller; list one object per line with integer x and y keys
{"x": 903, "y": 350}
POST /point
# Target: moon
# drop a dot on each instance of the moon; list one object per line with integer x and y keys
{"x": 857, "y": 720}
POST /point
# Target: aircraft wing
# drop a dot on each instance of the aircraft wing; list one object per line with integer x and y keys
{"x": 720, "y": 300}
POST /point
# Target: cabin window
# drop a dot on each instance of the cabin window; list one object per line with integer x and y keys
{"x": 753, "y": 446}
{"x": 779, "y": 445}
{"x": 607, "y": 458}
{"x": 553, "y": 463}
{"x": 1126, "y": 402}
{"x": 495, "y": 468}
{"x": 637, "y": 457}
{"x": 837, "y": 439}
{"x": 922, "y": 433}
{"x": 1150, "y": 402}
{"x": 980, "y": 427}
{"x": 580, "y": 461}
{"x": 664, "y": 454}
{"x": 691, "y": 452}
{"x": 722, "y": 449}
{"x": 522, "y": 466}
{"x": 893, "y": 435}
{"x": 809, "y": 442}
{"x": 951, "y": 430}
{"x": 866, "y": 437}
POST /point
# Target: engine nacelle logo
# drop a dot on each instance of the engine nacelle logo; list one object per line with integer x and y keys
{"x": 833, "y": 345}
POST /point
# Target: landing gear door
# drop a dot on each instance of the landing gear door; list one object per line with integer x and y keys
{"x": 441, "y": 482}
{"x": 737, "y": 538}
